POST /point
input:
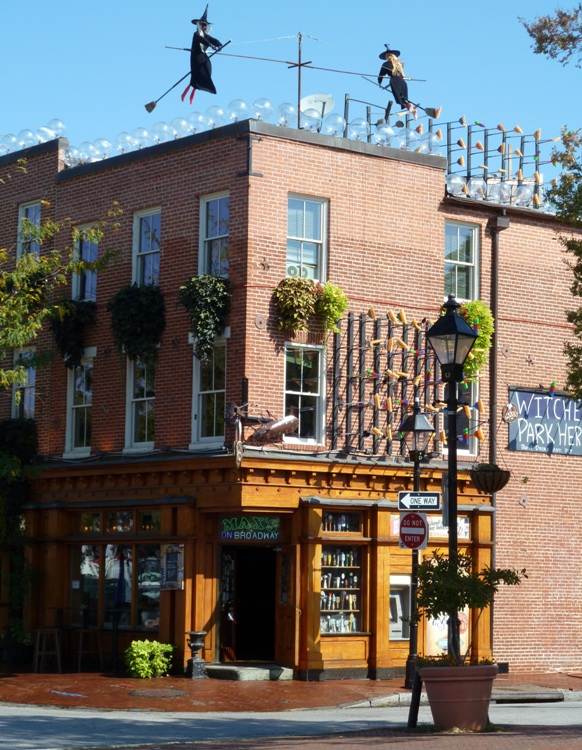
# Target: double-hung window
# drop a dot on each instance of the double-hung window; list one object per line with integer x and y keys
{"x": 146, "y": 247}
{"x": 80, "y": 403}
{"x": 25, "y": 390}
{"x": 141, "y": 404}
{"x": 210, "y": 375}
{"x": 28, "y": 228}
{"x": 461, "y": 280}
{"x": 214, "y": 235}
{"x": 304, "y": 391}
{"x": 306, "y": 237}
{"x": 85, "y": 281}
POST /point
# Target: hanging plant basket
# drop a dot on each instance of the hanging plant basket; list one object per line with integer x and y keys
{"x": 68, "y": 322}
{"x": 489, "y": 478}
{"x": 303, "y": 304}
{"x": 207, "y": 299}
{"x": 138, "y": 320}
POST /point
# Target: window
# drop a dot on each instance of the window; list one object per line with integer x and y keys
{"x": 28, "y": 221}
{"x": 24, "y": 392}
{"x": 399, "y": 608}
{"x": 304, "y": 391}
{"x": 85, "y": 282}
{"x": 306, "y": 219}
{"x": 214, "y": 228}
{"x": 461, "y": 252}
{"x": 80, "y": 400}
{"x": 146, "y": 237}
{"x": 211, "y": 395}
{"x": 460, "y": 260}
{"x": 141, "y": 401}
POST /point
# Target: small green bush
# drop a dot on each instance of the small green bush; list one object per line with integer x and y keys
{"x": 148, "y": 659}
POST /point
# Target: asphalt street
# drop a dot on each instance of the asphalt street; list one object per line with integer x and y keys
{"x": 38, "y": 728}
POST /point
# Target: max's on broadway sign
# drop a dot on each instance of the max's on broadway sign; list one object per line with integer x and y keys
{"x": 544, "y": 422}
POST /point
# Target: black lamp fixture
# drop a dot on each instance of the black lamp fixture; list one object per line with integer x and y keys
{"x": 416, "y": 431}
{"x": 452, "y": 338}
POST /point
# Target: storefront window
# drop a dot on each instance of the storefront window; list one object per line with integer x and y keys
{"x": 119, "y": 521}
{"x": 148, "y": 587}
{"x": 342, "y": 522}
{"x": 118, "y": 585}
{"x": 399, "y": 608}
{"x": 341, "y": 594}
{"x": 85, "y": 564}
{"x": 88, "y": 523}
{"x": 148, "y": 521}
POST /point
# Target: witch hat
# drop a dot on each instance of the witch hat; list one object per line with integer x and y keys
{"x": 388, "y": 51}
{"x": 204, "y": 18}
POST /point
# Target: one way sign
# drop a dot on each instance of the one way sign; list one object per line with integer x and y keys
{"x": 419, "y": 500}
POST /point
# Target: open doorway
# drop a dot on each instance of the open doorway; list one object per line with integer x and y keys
{"x": 247, "y": 623}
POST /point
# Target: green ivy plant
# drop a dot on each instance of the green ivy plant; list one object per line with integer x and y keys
{"x": 477, "y": 314}
{"x": 68, "y": 321}
{"x": 207, "y": 299}
{"x": 298, "y": 300}
{"x": 146, "y": 659}
{"x": 138, "y": 320}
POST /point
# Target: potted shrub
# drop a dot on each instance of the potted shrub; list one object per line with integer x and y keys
{"x": 458, "y": 689}
{"x": 489, "y": 478}
{"x": 145, "y": 659}
{"x": 207, "y": 299}
{"x": 298, "y": 300}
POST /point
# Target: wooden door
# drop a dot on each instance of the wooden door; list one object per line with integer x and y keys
{"x": 287, "y": 607}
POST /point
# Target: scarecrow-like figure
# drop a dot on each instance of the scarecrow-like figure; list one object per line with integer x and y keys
{"x": 200, "y": 65}
{"x": 394, "y": 69}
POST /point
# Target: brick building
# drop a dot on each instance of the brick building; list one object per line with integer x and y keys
{"x": 289, "y": 552}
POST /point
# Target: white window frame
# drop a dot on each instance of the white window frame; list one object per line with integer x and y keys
{"x": 72, "y": 451}
{"x": 138, "y": 255}
{"x": 473, "y": 390}
{"x": 321, "y": 266}
{"x": 80, "y": 279}
{"x": 319, "y": 420}
{"x": 204, "y": 264}
{"x": 23, "y": 248}
{"x": 400, "y": 599}
{"x": 26, "y": 389}
{"x": 132, "y": 445}
{"x": 215, "y": 441}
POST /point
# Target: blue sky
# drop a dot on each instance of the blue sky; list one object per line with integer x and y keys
{"x": 94, "y": 65}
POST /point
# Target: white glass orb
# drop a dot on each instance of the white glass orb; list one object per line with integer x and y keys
{"x": 434, "y": 143}
{"x": 26, "y": 138}
{"x": 215, "y": 116}
{"x": 181, "y": 127}
{"x": 45, "y": 134}
{"x": 500, "y": 192}
{"x": 72, "y": 156}
{"x": 262, "y": 110}
{"x": 3, "y": 149}
{"x": 87, "y": 152}
{"x": 407, "y": 139}
{"x": 334, "y": 124}
{"x": 124, "y": 142}
{"x": 286, "y": 115}
{"x": 197, "y": 122}
{"x": 237, "y": 110}
{"x": 58, "y": 127}
{"x": 455, "y": 184}
{"x": 383, "y": 134}
{"x": 142, "y": 137}
{"x": 11, "y": 142}
{"x": 162, "y": 132}
{"x": 358, "y": 129}
{"x": 310, "y": 120}
{"x": 523, "y": 195}
{"x": 104, "y": 148}
{"x": 477, "y": 188}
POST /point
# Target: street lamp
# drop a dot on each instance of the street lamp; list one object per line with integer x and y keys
{"x": 416, "y": 431}
{"x": 452, "y": 338}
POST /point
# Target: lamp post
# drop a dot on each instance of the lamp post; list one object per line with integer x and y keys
{"x": 416, "y": 431}
{"x": 452, "y": 338}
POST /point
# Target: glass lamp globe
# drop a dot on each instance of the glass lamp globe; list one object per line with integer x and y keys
{"x": 237, "y": 110}
{"x": 58, "y": 127}
{"x": 383, "y": 134}
{"x": 162, "y": 132}
{"x": 286, "y": 115}
{"x": 455, "y": 184}
{"x": 310, "y": 120}
{"x": 262, "y": 110}
{"x": 358, "y": 129}
{"x": 181, "y": 127}
{"x": 215, "y": 116}
{"x": 45, "y": 134}
{"x": 523, "y": 195}
{"x": 407, "y": 139}
{"x": 197, "y": 122}
{"x": 104, "y": 148}
{"x": 477, "y": 188}
{"x": 124, "y": 142}
{"x": 142, "y": 137}
{"x": 500, "y": 192}
{"x": 26, "y": 138}
{"x": 334, "y": 124}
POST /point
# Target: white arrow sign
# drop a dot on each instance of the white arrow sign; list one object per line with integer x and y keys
{"x": 419, "y": 500}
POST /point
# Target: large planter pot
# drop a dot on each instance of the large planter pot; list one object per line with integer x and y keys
{"x": 490, "y": 481}
{"x": 459, "y": 696}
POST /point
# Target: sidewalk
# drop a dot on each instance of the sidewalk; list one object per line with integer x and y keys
{"x": 105, "y": 691}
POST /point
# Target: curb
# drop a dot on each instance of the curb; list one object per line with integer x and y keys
{"x": 541, "y": 695}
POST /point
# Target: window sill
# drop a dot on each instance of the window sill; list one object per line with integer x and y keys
{"x": 77, "y": 454}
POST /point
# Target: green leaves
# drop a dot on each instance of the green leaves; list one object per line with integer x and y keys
{"x": 297, "y": 300}
{"x": 68, "y": 322}
{"x": 146, "y": 659}
{"x": 207, "y": 299}
{"x": 138, "y": 320}
{"x": 476, "y": 313}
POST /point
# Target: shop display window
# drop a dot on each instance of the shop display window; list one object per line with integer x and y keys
{"x": 341, "y": 523}
{"x": 118, "y": 577}
{"x": 399, "y": 608}
{"x": 148, "y": 521}
{"x": 341, "y": 589}
{"x": 89, "y": 523}
{"x": 148, "y": 587}
{"x": 85, "y": 567}
{"x": 119, "y": 522}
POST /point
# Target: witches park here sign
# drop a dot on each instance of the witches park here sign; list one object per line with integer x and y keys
{"x": 545, "y": 423}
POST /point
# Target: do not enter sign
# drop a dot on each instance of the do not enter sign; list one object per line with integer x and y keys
{"x": 413, "y": 531}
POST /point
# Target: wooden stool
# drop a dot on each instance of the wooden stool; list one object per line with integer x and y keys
{"x": 85, "y": 635}
{"x": 47, "y": 645}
